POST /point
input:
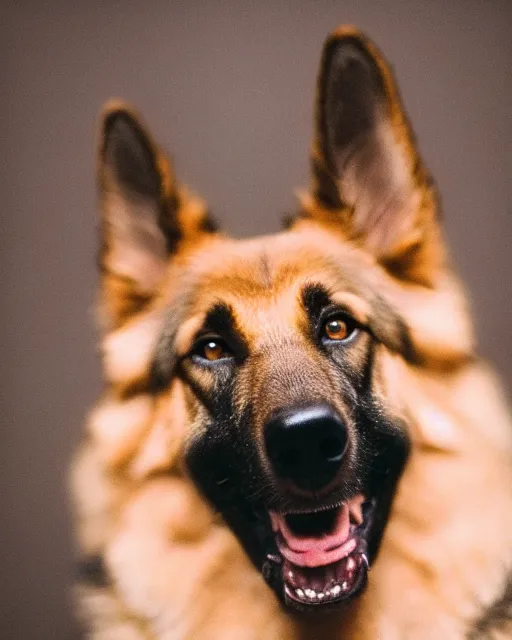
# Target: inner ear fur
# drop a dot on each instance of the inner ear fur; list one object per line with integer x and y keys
{"x": 146, "y": 216}
{"x": 368, "y": 180}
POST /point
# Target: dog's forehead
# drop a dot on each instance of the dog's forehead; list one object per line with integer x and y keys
{"x": 259, "y": 269}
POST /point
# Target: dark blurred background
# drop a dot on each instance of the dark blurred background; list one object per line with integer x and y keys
{"x": 227, "y": 87}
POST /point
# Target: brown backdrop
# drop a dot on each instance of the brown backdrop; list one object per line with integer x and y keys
{"x": 227, "y": 87}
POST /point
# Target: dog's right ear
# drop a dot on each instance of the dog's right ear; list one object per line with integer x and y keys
{"x": 146, "y": 217}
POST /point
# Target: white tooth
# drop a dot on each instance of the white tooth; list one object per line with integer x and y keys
{"x": 290, "y": 575}
{"x": 344, "y": 586}
{"x": 299, "y": 592}
{"x": 351, "y": 564}
{"x": 336, "y": 590}
{"x": 321, "y": 595}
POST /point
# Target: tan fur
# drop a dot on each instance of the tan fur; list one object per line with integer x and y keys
{"x": 176, "y": 571}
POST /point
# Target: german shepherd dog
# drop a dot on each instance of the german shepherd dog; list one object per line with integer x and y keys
{"x": 296, "y": 439}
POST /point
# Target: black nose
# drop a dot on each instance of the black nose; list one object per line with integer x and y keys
{"x": 306, "y": 445}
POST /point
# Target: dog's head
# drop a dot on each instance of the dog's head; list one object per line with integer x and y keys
{"x": 273, "y": 365}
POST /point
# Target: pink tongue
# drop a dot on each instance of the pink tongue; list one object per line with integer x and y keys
{"x": 315, "y": 551}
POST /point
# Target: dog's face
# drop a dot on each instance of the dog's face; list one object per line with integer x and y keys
{"x": 290, "y": 438}
{"x": 287, "y": 420}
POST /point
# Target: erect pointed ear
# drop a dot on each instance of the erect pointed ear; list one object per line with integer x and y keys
{"x": 146, "y": 216}
{"x": 367, "y": 176}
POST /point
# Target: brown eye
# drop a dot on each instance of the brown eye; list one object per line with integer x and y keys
{"x": 338, "y": 329}
{"x": 214, "y": 350}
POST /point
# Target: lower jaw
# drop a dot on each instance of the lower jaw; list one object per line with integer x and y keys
{"x": 329, "y": 584}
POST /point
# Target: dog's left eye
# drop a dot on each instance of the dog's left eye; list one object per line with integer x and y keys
{"x": 338, "y": 328}
{"x": 212, "y": 349}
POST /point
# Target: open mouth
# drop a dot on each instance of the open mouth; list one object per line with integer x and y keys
{"x": 323, "y": 554}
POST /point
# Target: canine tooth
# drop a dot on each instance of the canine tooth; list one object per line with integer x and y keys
{"x": 351, "y": 563}
{"x": 299, "y": 592}
{"x": 356, "y": 509}
{"x": 364, "y": 558}
{"x": 274, "y": 558}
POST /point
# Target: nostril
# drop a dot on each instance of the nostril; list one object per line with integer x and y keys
{"x": 332, "y": 448}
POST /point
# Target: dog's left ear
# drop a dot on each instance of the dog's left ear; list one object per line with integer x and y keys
{"x": 368, "y": 179}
